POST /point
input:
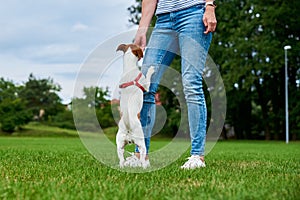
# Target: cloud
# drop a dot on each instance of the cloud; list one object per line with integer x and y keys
{"x": 52, "y": 53}
{"x": 79, "y": 27}
{"x": 52, "y": 38}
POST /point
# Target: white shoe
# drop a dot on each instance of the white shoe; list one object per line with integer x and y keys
{"x": 193, "y": 163}
{"x": 133, "y": 161}
{"x": 146, "y": 164}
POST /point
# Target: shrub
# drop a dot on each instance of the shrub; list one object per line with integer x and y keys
{"x": 13, "y": 114}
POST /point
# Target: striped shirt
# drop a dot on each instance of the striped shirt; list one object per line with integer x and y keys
{"x": 166, "y": 6}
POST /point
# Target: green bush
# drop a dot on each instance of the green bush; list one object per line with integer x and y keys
{"x": 62, "y": 120}
{"x": 13, "y": 114}
{"x": 8, "y": 125}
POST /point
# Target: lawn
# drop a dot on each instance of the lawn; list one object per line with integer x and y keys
{"x": 61, "y": 168}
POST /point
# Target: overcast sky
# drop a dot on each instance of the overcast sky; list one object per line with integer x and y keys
{"x": 52, "y": 38}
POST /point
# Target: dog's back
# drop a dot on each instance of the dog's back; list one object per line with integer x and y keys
{"x": 131, "y": 103}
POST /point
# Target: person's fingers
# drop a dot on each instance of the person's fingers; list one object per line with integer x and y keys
{"x": 210, "y": 25}
{"x": 210, "y": 28}
{"x": 140, "y": 41}
{"x": 205, "y": 24}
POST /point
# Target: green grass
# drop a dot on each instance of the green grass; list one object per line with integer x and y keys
{"x": 35, "y": 129}
{"x": 61, "y": 168}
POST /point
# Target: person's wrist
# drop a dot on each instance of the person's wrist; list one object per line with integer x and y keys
{"x": 210, "y": 9}
{"x": 142, "y": 30}
{"x": 210, "y": 4}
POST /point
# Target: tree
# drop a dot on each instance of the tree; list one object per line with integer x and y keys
{"x": 248, "y": 46}
{"x": 13, "y": 113}
{"x": 93, "y": 109}
{"x": 8, "y": 90}
{"x": 41, "y": 94}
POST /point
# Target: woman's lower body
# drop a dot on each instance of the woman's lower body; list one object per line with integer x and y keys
{"x": 179, "y": 33}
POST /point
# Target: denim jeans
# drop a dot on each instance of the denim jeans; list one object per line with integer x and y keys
{"x": 179, "y": 33}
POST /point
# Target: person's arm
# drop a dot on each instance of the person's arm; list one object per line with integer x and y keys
{"x": 209, "y": 18}
{"x": 148, "y": 9}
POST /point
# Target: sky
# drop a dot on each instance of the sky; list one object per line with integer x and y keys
{"x": 55, "y": 38}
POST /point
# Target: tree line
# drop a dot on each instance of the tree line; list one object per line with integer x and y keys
{"x": 38, "y": 100}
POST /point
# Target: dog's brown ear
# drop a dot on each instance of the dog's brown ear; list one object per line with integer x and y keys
{"x": 122, "y": 47}
{"x": 138, "y": 52}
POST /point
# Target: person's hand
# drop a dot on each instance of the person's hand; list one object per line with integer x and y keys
{"x": 209, "y": 19}
{"x": 141, "y": 38}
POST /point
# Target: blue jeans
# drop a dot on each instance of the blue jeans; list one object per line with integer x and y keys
{"x": 179, "y": 33}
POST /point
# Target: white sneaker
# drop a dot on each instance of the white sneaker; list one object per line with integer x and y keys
{"x": 193, "y": 163}
{"x": 146, "y": 164}
{"x": 133, "y": 161}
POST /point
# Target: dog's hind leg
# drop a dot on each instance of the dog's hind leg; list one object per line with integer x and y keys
{"x": 142, "y": 150}
{"x": 140, "y": 142}
{"x": 120, "y": 140}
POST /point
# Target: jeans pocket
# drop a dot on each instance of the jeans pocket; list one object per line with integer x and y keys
{"x": 163, "y": 18}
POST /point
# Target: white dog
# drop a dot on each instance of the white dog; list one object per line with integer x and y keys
{"x": 133, "y": 83}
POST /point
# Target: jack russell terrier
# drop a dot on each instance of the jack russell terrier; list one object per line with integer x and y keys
{"x": 133, "y": 84}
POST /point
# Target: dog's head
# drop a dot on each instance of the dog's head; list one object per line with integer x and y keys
{"x": 135, "y": 49}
